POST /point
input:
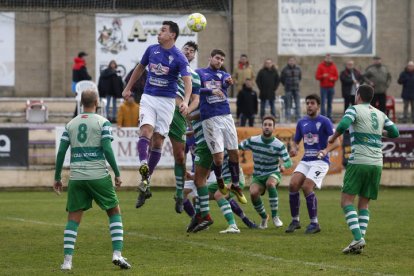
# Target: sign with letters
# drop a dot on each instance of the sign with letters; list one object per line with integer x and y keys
{"x": 125, "y": 150}
{"x": 318, "y": 27}
{"x": 14, "y": 147}
{"x": 398, "y": 153}
{"x": 125, "y": 37}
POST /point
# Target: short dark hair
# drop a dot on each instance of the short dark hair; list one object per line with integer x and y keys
{"x": 366, "y": 93}
{"x": 173, "y": 28}
{"x": 315, "y": 97}
{"x": 217, "y": 52}
{"x": 192, "y": 44}
{"x": 82, "y": 54}
{"x": 243, "y": 55}
{"x": 89, "y": 97}
{"x": 269, "y": 117}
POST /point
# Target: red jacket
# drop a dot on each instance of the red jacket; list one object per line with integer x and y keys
{"x": 330, "y": 69}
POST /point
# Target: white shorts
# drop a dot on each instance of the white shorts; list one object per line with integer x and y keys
{"x": 314, "y": 170}
{"x": 157, "y": 112}
{"x": 220, "y": 133}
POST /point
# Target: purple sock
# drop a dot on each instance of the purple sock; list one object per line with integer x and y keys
{"x": 312, "y": 204}
{"x": 153, "y": 159}
{"x": 188, "y": 207}
{"x": 235, "y": 171}
{"x": 217, "y": 170}
{"x": 143, "y": 145}
{"x": 236, "y": 208}
{"x": 294, "y": 200}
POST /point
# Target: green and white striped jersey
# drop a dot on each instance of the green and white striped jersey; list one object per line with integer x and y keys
{"x": 196, "y": 84}
{"x": 366, "y": 132}
{"x": 85, "y": 134}
{"x": 266, "y": 154}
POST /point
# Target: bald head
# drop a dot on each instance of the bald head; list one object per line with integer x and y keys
{"x": 89, "y": 98}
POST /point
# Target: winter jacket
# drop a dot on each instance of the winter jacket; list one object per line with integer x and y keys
{"x": 128, "y": 114}
{"x": 291, "y": 77}
{"x": 110, "y": 84}
{"x": 267, "y": 81}
{"x": 330, "y": 69}
{"x": 406, "y": 79}
{"x": 380, "y": 76}
{"x": 247, "y": 102}
{"x": 347, "y": 81}
{"x": 79, "y": 71}
{"x": 241, "y": 73}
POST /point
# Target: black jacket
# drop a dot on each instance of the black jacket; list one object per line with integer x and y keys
{"x": 247, "y": 102}
{"x": 406, "y": 79}
{"x": 268, "y": 81}
{"x": 110, "y": 84}
{"x": 291, "y": 77}
{"x": 347, "y": 82}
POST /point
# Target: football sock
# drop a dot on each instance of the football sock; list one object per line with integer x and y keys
{"x": 188, "y": 207}
{"x": 179, "y": 171}
{"x": 203, "y": 197}
{"x": 235, "y": 207}
{"x": 363, "y": 220}
{"x": 197, "y": 205}
{"x": 69, "y": 237}
{"x": 273, "y": 200}
{"x": 153, "y": 159}
{"x": 226, "y": 210}
{"x": 312, "y": 204}
{"x": 294, "y": 201}
{"x": 351, "y": 218}
{"x": 260, "y": 209}
{"x": 117, "y": 232}
{"x": 143, "y": 145}
{"x": 235, "y": 172}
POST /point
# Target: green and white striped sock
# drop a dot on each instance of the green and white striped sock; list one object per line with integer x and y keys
{"x": 226, "y": 211}
{"x": 69, "y": 237}
{"x": 351, "y": 218}
{"x": 179, "y": 171}
{"x": 117, "y": 232}
{"x": 363, "y": 220}
{"x": 203, "y": 197}
{"x": 273, "y": 200}
{"x": 260, "y": 209}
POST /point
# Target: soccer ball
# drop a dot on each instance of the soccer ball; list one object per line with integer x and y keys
{"x": 196, "y": 22}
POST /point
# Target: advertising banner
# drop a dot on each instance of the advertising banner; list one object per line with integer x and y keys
{"x": 399, "y": 153}
{"x": 7, "y": 42}
{"x": 124, "y": 146}
{"x": 318, "y": 27}
{"x": 14, "y": 147}
{"x": 125, "y": 37}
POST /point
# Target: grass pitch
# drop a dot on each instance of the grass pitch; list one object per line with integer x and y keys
{"x": 32, "y": 224}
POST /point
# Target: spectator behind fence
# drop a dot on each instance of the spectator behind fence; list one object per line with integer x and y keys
{"x": 247, "y": 104}
{"x": 79, "y": 73}
{"x": 406, "y": 79}
{"x": 327, "y": 75}
{"x": 350, "y": 80}
{"x": 138, "y": 86}
{"x": 242, "y": 72}
{"x": 110, "y": 85}
{"x": 378, "y": 76}
{"x": 290, "y": 78}
{"x": 267, "y": 81}
{"x": 128, "y": 113}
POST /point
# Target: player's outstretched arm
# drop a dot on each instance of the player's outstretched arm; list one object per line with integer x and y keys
{"x": 139, "y": 69}
{"x": 391, "y": 131}
{"x": 60, "y": 158}
{"x": 109, "y": 156}
{"x": 195, "y": 101}
{"x": 331, "y": 146}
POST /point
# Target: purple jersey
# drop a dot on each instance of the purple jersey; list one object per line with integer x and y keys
{"x": 164, "y": 67}
{"x": 212, "y": 105}
{"x": 315, "y": 133}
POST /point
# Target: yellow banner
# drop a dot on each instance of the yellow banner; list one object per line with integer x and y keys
{"x": 285, "y": 135}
